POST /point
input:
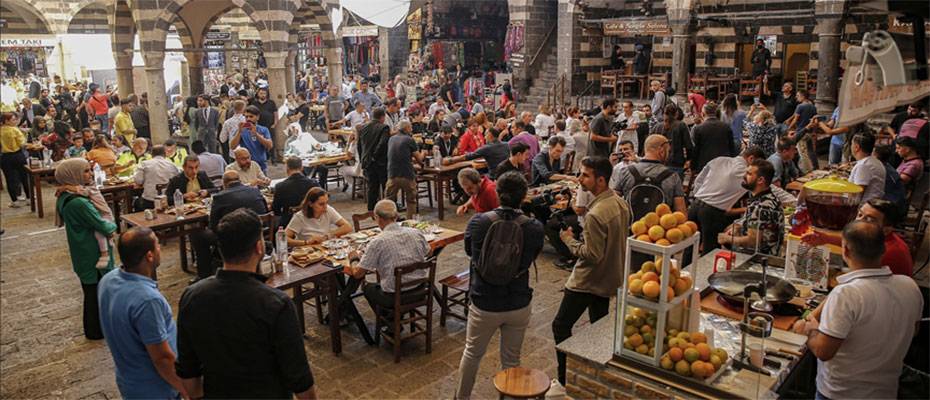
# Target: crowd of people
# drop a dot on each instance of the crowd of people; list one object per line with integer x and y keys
{"x": 724, "y": 167}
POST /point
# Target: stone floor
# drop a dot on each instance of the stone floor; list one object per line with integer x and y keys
{"x": 43, "y": 353}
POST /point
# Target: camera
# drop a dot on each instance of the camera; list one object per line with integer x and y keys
{"x": 616, "y": 127}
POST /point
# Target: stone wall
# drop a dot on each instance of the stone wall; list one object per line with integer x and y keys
{"x": 587, "y": 380}
{"x": 393, "y": 50}
{"x": 538, "y": 17}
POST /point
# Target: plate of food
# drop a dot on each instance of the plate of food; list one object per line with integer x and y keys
{"x": 306, "y": 258}
{"x": 335, "y": 243}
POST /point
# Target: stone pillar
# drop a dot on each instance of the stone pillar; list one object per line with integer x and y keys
{"x": 334, "y": 64}
{"x": 277, "y": 88}
{"x": 185, "y": 84}
{"x": 290, "y": 72}
{"x": 682, "y": 26}
{"x": 195, "y": 72}
{"x": 538, "y": 18}
{"x": 829, "y": 31}
{"x": 158, "y": 101}
{"x": 124, "y": 74}
{"x": 567, "y": 42}
{"x": 394, "y": 49}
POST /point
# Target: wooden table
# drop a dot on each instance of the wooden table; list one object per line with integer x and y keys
{"x": 310, "y": 163}
{"x": 442, "y": 174}
{"x": 841, "y": 171}
{"x": 322, "y": 275}
{"x": 724, "y": 84}
{"x": 117, "y": 194}
{"x": 38, "y": 174}
{"x": 640, "y": 80}
{"x": 167, "y": 226}
{"x": 342, "y": 134}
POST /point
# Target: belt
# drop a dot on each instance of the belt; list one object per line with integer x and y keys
{"x": 699, "y": 203}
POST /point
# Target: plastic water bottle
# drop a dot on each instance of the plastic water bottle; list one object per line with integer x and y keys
{"x": 280, "y": 240}
{"x": 46, "y": 157}
{"x": 437, "y": 157}
{"x": 99, "y": 176}
{"x": 178, "y": 201}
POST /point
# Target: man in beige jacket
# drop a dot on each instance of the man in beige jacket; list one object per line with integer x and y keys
{"x": 600, "y": 268}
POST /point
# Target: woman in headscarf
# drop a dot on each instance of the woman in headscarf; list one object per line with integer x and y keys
{"x": 82, "y": 220}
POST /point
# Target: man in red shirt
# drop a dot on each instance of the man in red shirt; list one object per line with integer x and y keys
{"x": 482, "y": 192}
{"x": 883, "y": 213}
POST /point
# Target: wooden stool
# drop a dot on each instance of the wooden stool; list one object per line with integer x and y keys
{"x": 522, "y": 383}
{"x": 459, "y": 284}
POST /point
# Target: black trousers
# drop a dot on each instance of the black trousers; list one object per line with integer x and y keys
{"x": 573, "y": 305}
{"x": 14, "y": 168}
{"x": 377, "y": 178}
{"x": 553, "y": 228}
{"x": 92, "y": 329}
{"x": 712, "y": 221}
{"x": 224, "y": 147}
{"x": 202, "y": 242}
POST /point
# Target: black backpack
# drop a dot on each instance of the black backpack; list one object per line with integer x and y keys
{"x": 501, "y": 250}
{"x": 647, "y": 192}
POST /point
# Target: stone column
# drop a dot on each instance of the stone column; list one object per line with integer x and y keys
{"x": 195, "y": 72}
{"x": 124, "y": 74}
{"x": 185, "y": 84}
{"x": 394, "y": 49}
{"x": 277, "y": 88}
{"x": 829, "y": 31}
{"x": 158, "y": 102}
{"x": 682, "y": 26}
{"x": 334, "y": 64}
{"x": 290, "y": 72}
{"x": 567, "y": 42}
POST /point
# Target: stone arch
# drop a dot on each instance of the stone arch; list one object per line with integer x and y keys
{"x": 93, "y": 18}
{"x": 24, "y": 17}
{"x": 315, "y": 11}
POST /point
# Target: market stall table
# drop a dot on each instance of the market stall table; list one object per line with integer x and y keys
{"x": 167, "y": 226}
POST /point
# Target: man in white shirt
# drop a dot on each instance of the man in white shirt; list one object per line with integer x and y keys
{"x": 632, "y": 122}
{"x": 861, "y": 332}
{"x": 716, "y": 190}
{"x": 231, "y": 127}
{"x": 440, "y": 104}
{"x": 151, "y": 173}
{"x": 212, "y": 164}
{"x": 358, "y": 116}
{"x": 868, "y": 172}
{"x": 544, "y": 122}
{"x": 250, "y": 173}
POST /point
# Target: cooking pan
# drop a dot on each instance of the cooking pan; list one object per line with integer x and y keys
{"x": 730, "y": 285}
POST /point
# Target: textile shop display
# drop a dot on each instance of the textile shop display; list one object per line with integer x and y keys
{"x": 513, "y": 41}
{"x": 24, "y": 61}
{"x": 361, "y": 55}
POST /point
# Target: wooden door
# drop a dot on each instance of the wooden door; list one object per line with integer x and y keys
{"x": 796, "y": 59}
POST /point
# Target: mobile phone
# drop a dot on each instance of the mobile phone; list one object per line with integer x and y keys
{"x": 755, "y": 100}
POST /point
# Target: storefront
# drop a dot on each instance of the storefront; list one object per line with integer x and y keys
{"x": 471, "y": 34}
{"x": 361, "y": 49}
{"x": 21, "y": 56}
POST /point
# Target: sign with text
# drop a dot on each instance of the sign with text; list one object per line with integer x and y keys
{"x": 28, "y": 42}
{"x": 636, "y": 27}
{"x": 860, "y": 102}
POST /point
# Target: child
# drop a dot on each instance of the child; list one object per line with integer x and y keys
{"x": 77, "y": 149}
{"x": 96, "y": 198}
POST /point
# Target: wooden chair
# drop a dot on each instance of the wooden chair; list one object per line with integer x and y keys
{"x": 268, "y": 227}
{"x": 609, "y": 81}
{"x": 800, "y": 80}
{"x": 333, "y": 176}
{"x": 359, "y": 185}
{"x": 459, "y": 284}
{"x": 410, "y": 295}
{"x": 749, "y": 88}
{"x": 522, "y": 383}
{"x": 357, "y": 220}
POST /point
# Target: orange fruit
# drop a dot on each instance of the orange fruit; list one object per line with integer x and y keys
{"x": 635, "y": 340}
{"x": 683, "y": 368}
{"x": 674, "y": 235}
{"x": 703, "y": 350}
{"x": 647, "y": 266}
{"x": 697, "y": 369}
{"x": 651, "y": 289}
{"x": 693, "y": 226}
{"x": 642, "y": 349}
{"x": 682, "y": 284}
{"x": 667, "y": 363}
{"x": 668, "y": 221}
{"x": 686, "y": 230}
{"x": 670, "y": 295}
{"x": 638, "y": 228}
{"x": 656, "y": 232}
{"x": 644, "y": 238}
{"x": 698, "y": 337}
{"x": 636, "y": 287}
{"x": 663, "y": 242}
{"x": 650, "y": 276}
{"x": 673, "y": 271}
{"x": 715, "y": 361}
{"x": 691, "y": 354}
{"x": 675, "y": 354}
{"x": 663, "y": 209}
{"x": 680, "y": 217}
{"x": 651, "y": 219}
{"x": 634, "y": 277}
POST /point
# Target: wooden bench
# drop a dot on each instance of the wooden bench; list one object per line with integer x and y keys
{"x": 459, "y": 284}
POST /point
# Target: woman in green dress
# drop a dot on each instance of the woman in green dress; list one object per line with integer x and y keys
{"x": 81, "y": 220}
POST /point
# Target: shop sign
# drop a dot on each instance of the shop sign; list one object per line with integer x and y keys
{"x": 25, "y": 42}
{"x": 860, "y": 102}
{"x": 636, "y": 27}
{"x": 897, "y": 26}
{"x": 357, "y": 31}
{"x": 218, "y": 36}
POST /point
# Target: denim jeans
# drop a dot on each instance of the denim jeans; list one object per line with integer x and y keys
{"x": 836, "y": 153}
{"x": 104, "y": 123}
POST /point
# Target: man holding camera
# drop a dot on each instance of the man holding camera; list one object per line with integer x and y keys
{"x": 602, "y": 139}
{"x": 576, "y": 207}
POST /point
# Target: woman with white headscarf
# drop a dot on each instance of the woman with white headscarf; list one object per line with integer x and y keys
{"x": 81, "y": 220}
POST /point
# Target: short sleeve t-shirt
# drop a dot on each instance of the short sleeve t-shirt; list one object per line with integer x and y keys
{"x": 913, "y": 168}
{"x": 305, "y": 226}
{"x": 805, "y": 112}
{"x": 837, "y": 140}
{"x": 400, "y": 150}
{"x": 268, "y": 108}
{"x": 133, "y": 314}
{"x": 335, "y": 107}
{"x": 600, "y": 127}
{"x": 869, "y": 172}
{"x": 256, "y": 149}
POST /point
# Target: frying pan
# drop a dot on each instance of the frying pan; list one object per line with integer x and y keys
{"x": 730, "y": 285}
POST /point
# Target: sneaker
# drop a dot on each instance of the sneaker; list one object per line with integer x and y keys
{"x": 566, "y": 264}
{"x": 15, "y": 204}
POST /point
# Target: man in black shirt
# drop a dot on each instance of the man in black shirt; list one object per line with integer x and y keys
{"x": 238, "y": 337}
{"x": 761, "y": 59}
{"x": 518, "y": 153}
{"x": 913, "y": 111}
{"x": 268, "y": 115}
{"x": 373, "y": 154}
{"x": 784, "y": 104}
{"x": 291, "y": 191}
{"x": 602, "y": 140}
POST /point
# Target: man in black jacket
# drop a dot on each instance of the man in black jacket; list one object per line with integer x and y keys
{"x": 234, "y": 196}
{"x": 712, "y": 138}
{"x": 193, "y": 183}
{"x": 372, "y": 146}
{"x": 291, "y": 191}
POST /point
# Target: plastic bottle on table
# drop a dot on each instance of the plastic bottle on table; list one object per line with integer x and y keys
{"x": 437, "y": 157}
{"x": 280, "y": 240}
{"x": 178, "y": 199}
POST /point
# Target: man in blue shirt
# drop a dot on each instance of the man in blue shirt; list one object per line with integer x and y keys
{"x": 799, "y": 123}
{"x": 254, "y": 137}
{"x": 368, "y": 99}
{"x": 137, "y": 322}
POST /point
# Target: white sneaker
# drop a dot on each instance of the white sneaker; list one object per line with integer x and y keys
{"x": 15, "y": 204}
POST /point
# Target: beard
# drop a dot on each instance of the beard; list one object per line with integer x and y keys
{"x": 748, "y": 185}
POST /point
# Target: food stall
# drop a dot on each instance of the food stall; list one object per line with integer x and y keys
{"x": 683, "y": 329}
